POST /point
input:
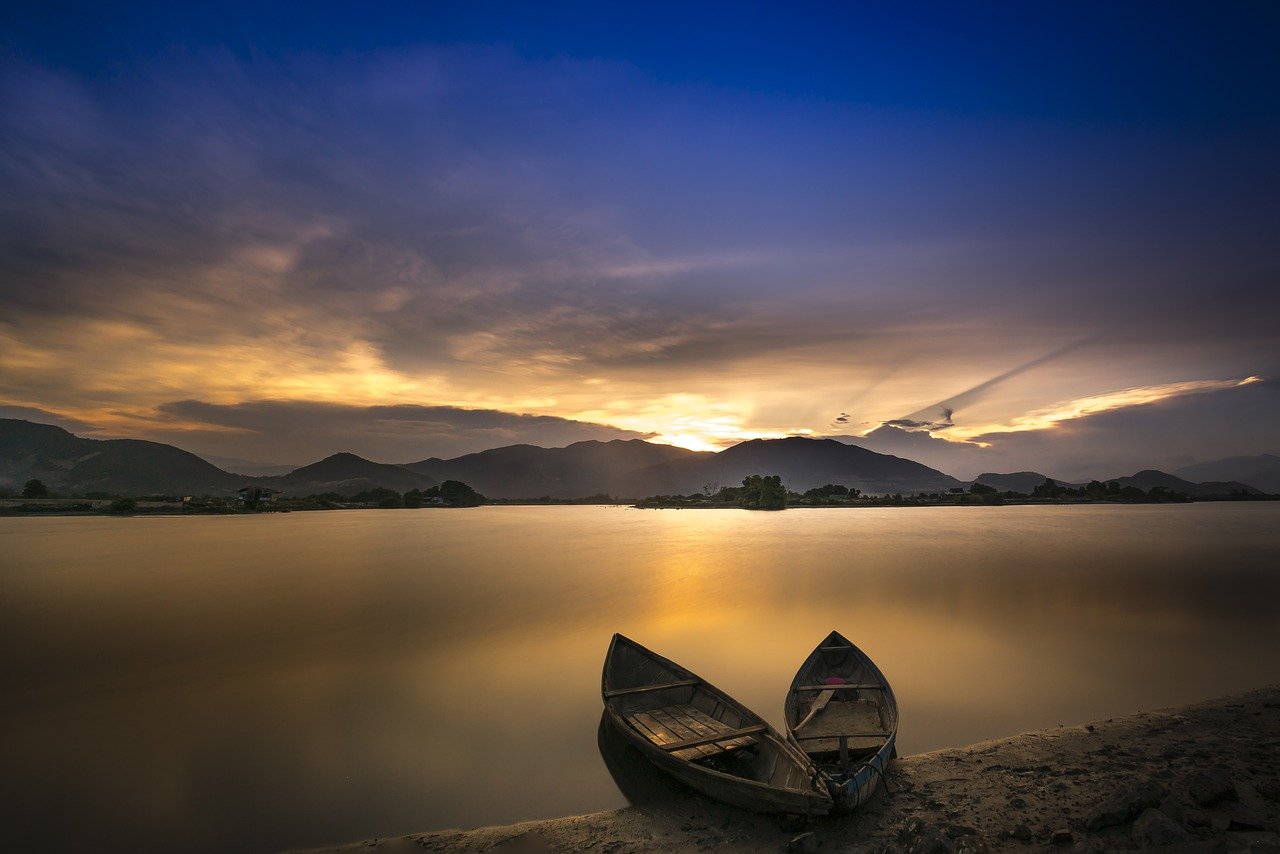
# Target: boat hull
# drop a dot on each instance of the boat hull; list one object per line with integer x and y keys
{"x": 656, "y": 705}
{"x": 841, "y": 712}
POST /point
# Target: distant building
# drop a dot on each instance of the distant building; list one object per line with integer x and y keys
{"x": 252, "y": 497}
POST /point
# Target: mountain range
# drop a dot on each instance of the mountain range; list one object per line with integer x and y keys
{"x": 1261, "y": 471}
{"x": 622, "y": 468}
{"x": 1018, "y": 481}
{"x": 1026, "y": 481}
{"x": 1150, "y": 478}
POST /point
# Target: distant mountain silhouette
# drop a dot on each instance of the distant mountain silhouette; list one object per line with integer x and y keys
{"x": 1149, "y": 478}
{"x": 622, "y": 468}
{"x": 249, "y": 467}
{"x": 1261, "y": 471}
{"x": 576, "y": 471}
{"x": 1018, "y": 481}
{"x": 68, "y": 463}
{"x": 803, "y": 464}
{"x": 348, "y": 474}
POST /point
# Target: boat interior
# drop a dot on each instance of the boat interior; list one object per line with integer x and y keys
{"x": 838, "y": 710}
{"x": 679, "y": 715}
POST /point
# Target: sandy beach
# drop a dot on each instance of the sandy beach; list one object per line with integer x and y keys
{"x": 1201, "y": 778}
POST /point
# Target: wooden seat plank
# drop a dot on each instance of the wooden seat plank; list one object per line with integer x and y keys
{"x": 644, "y": 689}
{"x": 855, "y": 743}
{"x": 698, "y": 720}
{"x": 708, "y": 739}
{"x": 842, "y": 686}
{"x": 687, "y": 733}
{"x": 717, "y": 726}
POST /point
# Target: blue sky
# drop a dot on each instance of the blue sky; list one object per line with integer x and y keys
{"x": 700, "y": 225}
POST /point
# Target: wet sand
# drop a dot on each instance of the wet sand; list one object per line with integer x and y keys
{"x": 1201, "y": 778}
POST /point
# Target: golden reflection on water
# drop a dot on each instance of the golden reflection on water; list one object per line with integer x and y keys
{"x": 263, "y": 682}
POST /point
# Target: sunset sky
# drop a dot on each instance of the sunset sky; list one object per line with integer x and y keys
{"x": 988, "y": 237}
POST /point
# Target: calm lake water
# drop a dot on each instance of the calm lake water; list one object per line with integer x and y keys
{"x": 255, "y": 683}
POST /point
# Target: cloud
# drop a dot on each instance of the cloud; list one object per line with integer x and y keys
{"x": 943, "y": 411}
{"x": 911, "y": 426}
{"x": 1051, "y": 416}
{"x": 1163, "y": 433}
{"x": 956, "y": 459}
{"x": 1206, "y": 421}
{"x": 575, "y": 238}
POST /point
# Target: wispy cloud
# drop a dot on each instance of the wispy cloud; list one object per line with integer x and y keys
{"x": 1160, "y": 427}
{"x": 1051, "y": 416}
{"x": 940, "y": 415}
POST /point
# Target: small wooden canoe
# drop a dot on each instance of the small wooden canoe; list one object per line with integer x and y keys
{"x": 704, "y": 738}
{"x": 842, "y": 713}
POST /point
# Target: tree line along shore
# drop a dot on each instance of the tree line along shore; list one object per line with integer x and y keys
{"x": 36, "y": 498}
{"x": 768, "y": 493}
{"x": 757, "y": 492}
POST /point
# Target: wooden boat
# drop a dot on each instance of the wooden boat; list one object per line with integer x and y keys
{"x": 704, "y": 738}
{"x": 842, "y": 713}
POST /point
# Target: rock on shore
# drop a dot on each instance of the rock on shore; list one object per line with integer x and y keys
{"x": 1204, "y": 778}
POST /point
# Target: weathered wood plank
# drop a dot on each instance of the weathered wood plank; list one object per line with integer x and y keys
{"x": 686, "y": 724}
{"x": 675, "y": 725}
{"x": 644, "y": 689}
{"x": 708, "y": 739}
{"x": 686, "y": 733}
{"x": 700, "y": 723}
{"x": 842, "y": 686}
{"x": 663, "y": 734}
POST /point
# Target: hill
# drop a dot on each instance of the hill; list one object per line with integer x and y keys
{"x": 348, "y": 474}
{"x": 1261, "y": 471}
{"x": 68, "y": 463}
{"x": 575, "y": 471}
{"x": 1149, "y": 478}
{"x": 803, "y": 464}
{"x": 1018, "y": 481}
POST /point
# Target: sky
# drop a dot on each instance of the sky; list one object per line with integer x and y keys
{"x": 990, "y": 237}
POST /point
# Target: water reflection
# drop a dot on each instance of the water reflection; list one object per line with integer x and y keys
{"x": 639, "y": 780}
{"x": 258, "y": 683}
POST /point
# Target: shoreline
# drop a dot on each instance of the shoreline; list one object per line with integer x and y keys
{"x": 13, "y": 509}
{"x": 1151, "y": 779}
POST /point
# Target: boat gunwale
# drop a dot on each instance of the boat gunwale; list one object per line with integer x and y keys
{"x": 797, "y": 687}
{"x": 876, "y": 763}
{"x": 776, "y": 740}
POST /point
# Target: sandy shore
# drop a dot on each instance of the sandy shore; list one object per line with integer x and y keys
{"x": 1203, "y": 778}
